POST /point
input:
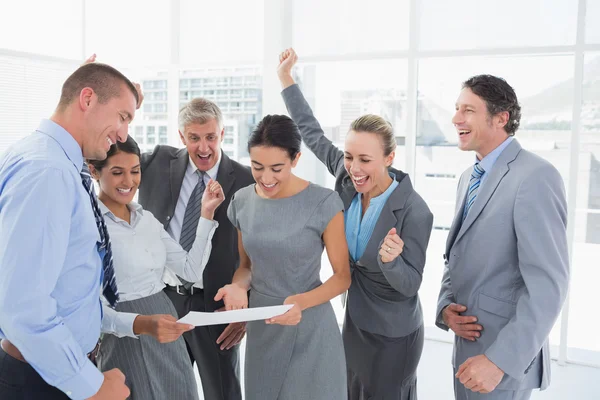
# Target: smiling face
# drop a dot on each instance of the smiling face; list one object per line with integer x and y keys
{"x": 203, "y": 143}
{"x": 477, "y": 130}
{"x": 105, "y": 123}
{"x": 271, "y": 169}
{"x": 365, "y": 161}
{"x": 119, "y": 179}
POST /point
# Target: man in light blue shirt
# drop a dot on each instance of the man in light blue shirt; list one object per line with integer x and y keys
{"x": 51, "y": 270}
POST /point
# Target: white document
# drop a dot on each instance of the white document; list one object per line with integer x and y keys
{"x": 227, "y": 317}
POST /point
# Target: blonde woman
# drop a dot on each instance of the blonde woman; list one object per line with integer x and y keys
{"x": 387, "y": 226}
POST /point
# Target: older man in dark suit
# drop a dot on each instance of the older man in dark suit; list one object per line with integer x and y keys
{"x": 173, "y": 183}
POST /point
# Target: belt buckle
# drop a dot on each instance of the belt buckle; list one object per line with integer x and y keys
{"x": 178, "y": 290}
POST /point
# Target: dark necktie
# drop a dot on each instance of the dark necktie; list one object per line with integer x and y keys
{"x": 109, "y": 283}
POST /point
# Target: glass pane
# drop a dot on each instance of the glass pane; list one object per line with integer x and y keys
{"x": 221, "y": 31}
{"x": 39, "y": 26}
{"x": 592, "y": 17}
{"x": 350, "y": 26}
{"x": 479, "y": 24}
{"x": 129, "y": 33}
{"x": 340, "y": 92}
{"x": 544, "y": 87}
{"x": 583, "y": 339}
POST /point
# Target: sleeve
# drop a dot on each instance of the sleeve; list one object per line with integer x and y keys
{"x": 119, "y": 324}
{"x": 34, "y": 239}
{"x": 405, "y": 273}
{"x": 310, "y": 129}
{"x": 540, "y": 218}
{"x": 326, "y": 210}
{"x": 190, "y": 265}
{"x": 232, "y": 212}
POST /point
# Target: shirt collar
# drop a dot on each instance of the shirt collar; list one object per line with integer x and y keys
{"x": 488, "y": 161}
{"x": 212, "y": 173}
{"x": 133, "y": 206}
{"x": 65, "y": 140}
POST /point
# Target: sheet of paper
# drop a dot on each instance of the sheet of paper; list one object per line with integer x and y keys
{"x": 227, "y": 317}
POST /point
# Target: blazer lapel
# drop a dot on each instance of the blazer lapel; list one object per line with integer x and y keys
{"x": 501, "y": 168}
{"x": 347, "y": 194}
{"x": 387, "y": 219}
{"x": 461, "y": 197}
{"x": 176, "y": 174}
{"x": 225, "y": 174}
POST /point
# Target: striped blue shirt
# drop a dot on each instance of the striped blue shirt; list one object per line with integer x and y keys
{"x": 359, "y": 230}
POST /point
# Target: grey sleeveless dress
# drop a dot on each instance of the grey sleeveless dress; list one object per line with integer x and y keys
{"x": 283, "y": 239}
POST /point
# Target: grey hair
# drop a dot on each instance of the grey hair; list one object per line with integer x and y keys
{"x": 199, "y": 111}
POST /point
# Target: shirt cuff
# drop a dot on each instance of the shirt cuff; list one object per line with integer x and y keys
{"x": 206, "y": 226}
{"x": 124, "y": 324}
{"x": 83, "y": 385}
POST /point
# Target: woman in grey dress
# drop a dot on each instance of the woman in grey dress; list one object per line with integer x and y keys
{"x": 387, "y": 229}
{"x": 284, "y": 223}
{"x": 155, "y": 369}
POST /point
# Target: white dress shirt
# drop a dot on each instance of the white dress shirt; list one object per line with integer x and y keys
{"x": 142, "y": 251}
{"x": 187, "y": 187}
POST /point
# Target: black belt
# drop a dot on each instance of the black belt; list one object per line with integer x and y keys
{"x": 182, "y": 290}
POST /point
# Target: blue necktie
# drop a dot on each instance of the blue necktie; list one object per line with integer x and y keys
{"x": 474, "y": 184}
{"x": 109, "y": 283}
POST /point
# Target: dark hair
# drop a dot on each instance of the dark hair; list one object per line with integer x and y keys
{"x": 499, "y": 96}
{"x": 277, "y": 131}
{"x": 103, "y": 79}
{"x": 129, "y": 146}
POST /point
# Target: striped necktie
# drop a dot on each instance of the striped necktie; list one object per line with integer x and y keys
{"x": 191, "y": 218}
{"x": 109, "y": 283}
{"x": 474, "y": 184}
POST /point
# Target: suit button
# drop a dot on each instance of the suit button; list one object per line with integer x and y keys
{"x": 168, "y": 218}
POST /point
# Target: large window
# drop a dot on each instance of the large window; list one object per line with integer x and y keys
{"x": 356, "y": 57}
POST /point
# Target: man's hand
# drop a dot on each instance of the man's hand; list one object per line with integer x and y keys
{"x": 462, "y": 325}
{"x": 113, "y": 387}
{"x": 162, "y": 327}
{"x": 479, "y": 374}
{"x": 232, "y": 335}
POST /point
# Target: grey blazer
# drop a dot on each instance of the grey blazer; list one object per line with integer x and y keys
{"x": 508, "y": 264}
{"x": 163, "y": 171}
{"x": 383, "y": 297}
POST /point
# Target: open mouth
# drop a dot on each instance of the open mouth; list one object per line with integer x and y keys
{"x": 360, "y": 180}
{"x": 124, "y": 191}
{"x": 268, "y": 188}
{"x": 463, "y": 132}
{"x": 204, "y": 157}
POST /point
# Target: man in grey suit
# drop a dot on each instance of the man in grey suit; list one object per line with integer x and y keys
{"x": 506, "y": 263}
{"x": 172, "y": 186}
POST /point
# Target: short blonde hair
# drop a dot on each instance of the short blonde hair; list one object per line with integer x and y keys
{"x": 375, "y": 124}
{"x": 199, "y": 111}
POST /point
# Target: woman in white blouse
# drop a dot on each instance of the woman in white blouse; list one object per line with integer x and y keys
{"x": 142, "y": 249}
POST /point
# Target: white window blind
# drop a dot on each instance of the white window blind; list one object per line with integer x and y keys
{"x": 29, "y": 91}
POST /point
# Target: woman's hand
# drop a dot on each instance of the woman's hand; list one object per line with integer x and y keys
{"x": 234, "y": 296}
{"x": 292, "y": 316}
{"x": 211, "y": 199}
{"x": 391, "y": 247}
{"x": 287, "y": 60}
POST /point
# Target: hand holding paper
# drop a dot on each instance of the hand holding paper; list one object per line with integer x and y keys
{"x": 228, "y": 317}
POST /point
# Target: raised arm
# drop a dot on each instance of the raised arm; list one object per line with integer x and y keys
{"x": 299, "y": 110}
{"x": 190, "y": 265}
